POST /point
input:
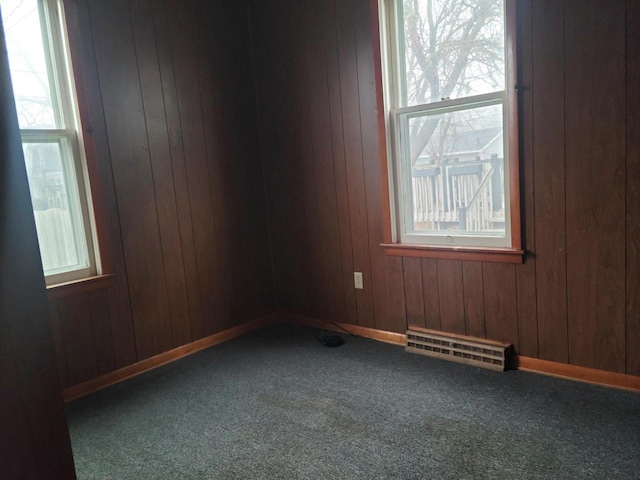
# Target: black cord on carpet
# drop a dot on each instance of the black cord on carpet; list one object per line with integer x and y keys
{"x": 331, "y": 340}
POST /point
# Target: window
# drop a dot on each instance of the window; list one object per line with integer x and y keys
{"x": 449, "y": 98}
{"x": 51, "y": 137}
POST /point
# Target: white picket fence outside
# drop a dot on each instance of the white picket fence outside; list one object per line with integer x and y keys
{"x": 57, "y": 240}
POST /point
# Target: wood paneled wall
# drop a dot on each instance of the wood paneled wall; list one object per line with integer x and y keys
{"x": 169, "y": 104}
{"x": 575, "y": 299}
{"x": 186, "y": 152}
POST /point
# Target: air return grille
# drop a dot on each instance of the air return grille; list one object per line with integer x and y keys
{"x": 458, "y": 348}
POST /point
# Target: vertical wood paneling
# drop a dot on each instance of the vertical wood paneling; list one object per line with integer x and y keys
{"x": 267, "y": 37}
{"x": 340, "y": 172}
{"x": 303, "y": 281}
{"x": 171, "y": 88}
{"x": 122, "y": 324}
{"x": 212, "y": 47}
{"x": 527, "y": 304}
{"x": 633, "y": 189}
{"x": 185, "y": 203}
{"x": 348, "y": 72}
{"x": 451, "y": 296}
{"x": 130, "y": 161}
{"x": 317, "y": 274}
{"x": 323, "y": 162}
{"x": 413, "y": 291}
{"x": 549, "y": 174}
{"x": 500, "y": 307}
{"x": 81, "y": 44}
{"x": 473, "y": 298}
{"x": 185, "y": 62}
{"x": 526, "y": 273}
{"x": 394, "y": 317}
{"x": 174, "y": 136}
{"x": 282, "y": 170}
{"x": 226, "y": 29}
{"x": 77, "y": 337}
{"x": 59, "y": 343}
{"x": 431, "y": 293}
{"x": 389, "y": 315}
{"x": 101, "y": 328}
{"x": 595, "y": 191}
{"x": 162, "y": 173}
{"x": 301, "y": 164}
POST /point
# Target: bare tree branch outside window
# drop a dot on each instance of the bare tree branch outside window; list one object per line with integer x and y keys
{"x": 452, "y": 49}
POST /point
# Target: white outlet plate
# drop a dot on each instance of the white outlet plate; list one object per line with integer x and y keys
{"x": 357, "y": 280}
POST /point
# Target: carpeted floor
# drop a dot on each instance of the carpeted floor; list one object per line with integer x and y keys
{"x": 276, "y": 404}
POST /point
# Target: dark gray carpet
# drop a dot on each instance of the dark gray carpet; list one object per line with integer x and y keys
{"x": 276, "y": 404}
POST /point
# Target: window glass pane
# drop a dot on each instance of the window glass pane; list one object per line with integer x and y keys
{"x": 450, "y": 49}
{"x": 31, "y": 83}
{"x": 56, "y": 207}
{"x": 456, "y": 180}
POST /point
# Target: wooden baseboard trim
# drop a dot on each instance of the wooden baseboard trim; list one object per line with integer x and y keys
{"x": 147, "y": 364}
{"x": 527, "y": 364}
{"x": 380, "y": 335}
{"x": 580, "y": 374}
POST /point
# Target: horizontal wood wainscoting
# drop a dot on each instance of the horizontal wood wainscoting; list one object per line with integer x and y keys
{"x": 156, "y": 361}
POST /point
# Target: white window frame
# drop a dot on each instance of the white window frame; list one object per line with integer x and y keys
{"x": 64, "y": 98}
{"x": 400, "y": 190}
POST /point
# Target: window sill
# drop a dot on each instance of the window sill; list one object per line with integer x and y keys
{"x": 67, "y": 289}
{"x": 477, "y": 254}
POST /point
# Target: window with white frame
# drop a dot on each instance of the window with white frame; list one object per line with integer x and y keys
{"x": 445, "y": 75}
{"x": 51, "y": 138}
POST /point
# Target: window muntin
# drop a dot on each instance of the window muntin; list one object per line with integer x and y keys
{"x": 48, "y": 119}
{"x": 449, "y": 153}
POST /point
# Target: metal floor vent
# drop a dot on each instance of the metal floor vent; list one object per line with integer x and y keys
{"x": 459, "y": 348}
